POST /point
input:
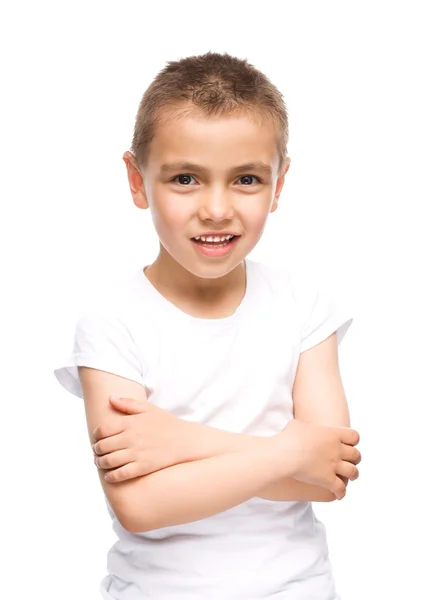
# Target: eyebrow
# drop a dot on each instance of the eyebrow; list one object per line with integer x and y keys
{"x": 187, "y": 166}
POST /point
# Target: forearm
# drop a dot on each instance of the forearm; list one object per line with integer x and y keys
{"x": 292, "y": 490}
{"x": 206, "y": 442}
{"x": 196, "y": 490}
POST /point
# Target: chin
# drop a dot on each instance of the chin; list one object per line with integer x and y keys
{"x": 213, "y": 271}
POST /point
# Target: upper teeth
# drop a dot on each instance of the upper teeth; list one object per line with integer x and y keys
{"x": 211, "y": 238}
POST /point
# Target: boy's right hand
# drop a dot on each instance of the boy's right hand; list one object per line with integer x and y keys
{"x": 320, "y": 455}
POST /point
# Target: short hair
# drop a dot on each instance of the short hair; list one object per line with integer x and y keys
{"x": 219, "y": 85}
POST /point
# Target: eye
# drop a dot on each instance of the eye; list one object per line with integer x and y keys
{"x": 250, "y": 177}
{"x": 181, "y": 177}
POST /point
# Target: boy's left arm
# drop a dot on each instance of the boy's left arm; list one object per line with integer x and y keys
{"x": 318, "y": 398}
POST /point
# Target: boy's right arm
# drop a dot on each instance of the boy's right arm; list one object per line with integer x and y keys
{"x": 185, "y": 492}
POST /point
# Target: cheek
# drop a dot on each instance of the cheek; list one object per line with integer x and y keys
{"x": 256, "y": 214}
{"x": 170, "y": 214}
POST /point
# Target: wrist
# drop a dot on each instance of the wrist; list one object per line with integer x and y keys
{"x": 279, "y": 456}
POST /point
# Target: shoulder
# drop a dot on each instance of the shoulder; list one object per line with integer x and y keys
{"x": 119, "y": 300}
{"x": 315, "y": 297}
{"x": 304, "y": 282}
{"x": 301, "y": 284}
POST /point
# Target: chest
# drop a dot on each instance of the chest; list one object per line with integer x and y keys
{"x": 238, "y": 377}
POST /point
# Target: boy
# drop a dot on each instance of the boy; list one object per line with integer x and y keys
{"x": 231, "y": 417}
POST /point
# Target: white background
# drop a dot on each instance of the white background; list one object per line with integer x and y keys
{"x": 353, "y": 78}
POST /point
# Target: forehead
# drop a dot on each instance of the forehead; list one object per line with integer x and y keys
{"x": 216, "y": 141}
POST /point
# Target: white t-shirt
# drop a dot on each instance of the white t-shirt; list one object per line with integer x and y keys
{"x": 235, "y": 374}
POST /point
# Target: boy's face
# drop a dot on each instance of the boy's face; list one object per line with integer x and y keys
{"x": 219, "y": 197}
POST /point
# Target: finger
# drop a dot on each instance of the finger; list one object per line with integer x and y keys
{"x": 348, "y": 470}
{"x": 349, "y": 436}
{"x": 111, "y": 444}
{"x": 127, "y": 405}
{"x": 339, "y": 489}
{"x": 108, "y": 429}
{"x": 351, "y": 454}
{"x": 129, "y": 471}
{"x": 114, "y": 460}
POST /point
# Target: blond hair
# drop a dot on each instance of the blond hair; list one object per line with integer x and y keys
{"x": 216, "y": 84}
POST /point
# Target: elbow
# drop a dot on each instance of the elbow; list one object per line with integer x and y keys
{"x": 145, "y": 523}
{"x": 129, "y": 521}
{"x": 124, "y": 499}
{"x": 140, "y": 523}
{"x": 136, "y": 524}
{"x": 133, "y": 525}
{"x": 136, "y": 527}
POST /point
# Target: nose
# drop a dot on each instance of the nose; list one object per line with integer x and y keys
{"x": 216, "y": 206}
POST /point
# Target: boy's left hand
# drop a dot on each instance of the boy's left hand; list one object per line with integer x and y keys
{"x": 146, "y": 440}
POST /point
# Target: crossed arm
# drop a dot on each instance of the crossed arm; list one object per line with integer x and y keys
{"x": 226, "y": 469}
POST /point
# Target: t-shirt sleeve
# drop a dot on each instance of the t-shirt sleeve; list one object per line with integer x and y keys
{"x": 325, "y": 309}
{"x": 103, "y": 342}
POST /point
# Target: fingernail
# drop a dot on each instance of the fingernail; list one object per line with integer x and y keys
{"x": 114, "y": 397}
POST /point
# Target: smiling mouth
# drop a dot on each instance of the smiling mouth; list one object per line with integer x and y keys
{"x": 214, "y": 240}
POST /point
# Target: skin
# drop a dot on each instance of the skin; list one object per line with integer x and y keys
{"x": 218, "y": 199}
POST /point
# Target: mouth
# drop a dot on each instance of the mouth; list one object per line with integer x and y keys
{"x": 215, "y": 241}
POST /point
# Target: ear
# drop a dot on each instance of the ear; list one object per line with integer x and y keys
{"x": 137, "y": 188}
{"x": 280, "y": 184}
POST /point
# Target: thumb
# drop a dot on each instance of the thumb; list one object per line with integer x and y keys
{"x": 127, "y": 405}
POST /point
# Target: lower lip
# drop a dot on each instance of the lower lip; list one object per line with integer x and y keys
{"x": 216, "y": 252}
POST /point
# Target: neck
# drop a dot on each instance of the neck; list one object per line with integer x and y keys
{"x": 174, "y": 282}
